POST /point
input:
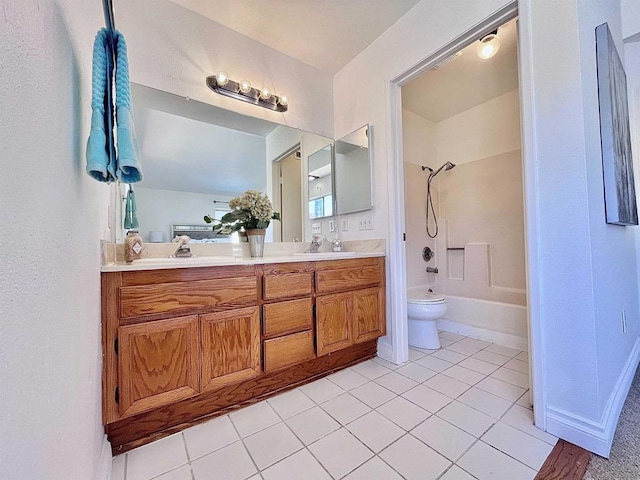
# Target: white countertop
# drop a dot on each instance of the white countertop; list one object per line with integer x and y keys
{"x": 161, "y": 263}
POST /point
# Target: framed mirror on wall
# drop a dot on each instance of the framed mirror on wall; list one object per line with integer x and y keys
{"x": 196, "y": 157}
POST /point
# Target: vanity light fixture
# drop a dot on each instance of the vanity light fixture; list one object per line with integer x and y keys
{"x": 489, "y": 45}
{"x": 222, "y": 84}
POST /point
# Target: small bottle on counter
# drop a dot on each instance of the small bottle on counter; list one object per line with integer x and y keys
{"x": 132, "y": 246}
{"x": 337, "y": 244}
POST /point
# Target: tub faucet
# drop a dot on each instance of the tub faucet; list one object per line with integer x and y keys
{"x": 183, "y": 249}
{"x": 432, "y": 269}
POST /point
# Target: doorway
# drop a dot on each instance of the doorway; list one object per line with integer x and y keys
{"x": 287, "y": 193}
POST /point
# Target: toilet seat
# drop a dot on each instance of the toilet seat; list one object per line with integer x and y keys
{"x": 426, "y": 298}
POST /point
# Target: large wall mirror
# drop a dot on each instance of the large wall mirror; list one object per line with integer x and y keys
{"x": 352, "y": 172}
{"x": 196, "y": 157}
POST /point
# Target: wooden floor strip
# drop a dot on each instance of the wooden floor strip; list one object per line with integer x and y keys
{"x": 565, "y": 462}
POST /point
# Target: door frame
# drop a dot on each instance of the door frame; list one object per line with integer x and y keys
{"x": 397, "y": 250}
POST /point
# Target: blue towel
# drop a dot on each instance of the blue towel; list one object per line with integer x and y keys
{"x": 129, "y": 169}
{"x": 101, "y": 157}
{"x": 130, "y": 211}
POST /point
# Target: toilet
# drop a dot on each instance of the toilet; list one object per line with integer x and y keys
{"x": 423, "y": 309}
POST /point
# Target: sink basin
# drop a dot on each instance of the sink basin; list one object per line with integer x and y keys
{"x": 170, "y": 260}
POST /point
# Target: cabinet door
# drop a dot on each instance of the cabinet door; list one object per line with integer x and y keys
{"x": 333, "y": 325}
{"x": 230, "y": 347}
{"x": 368, "y": 314}
{"x": 158, "y": 363}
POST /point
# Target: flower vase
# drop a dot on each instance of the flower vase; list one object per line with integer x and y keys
{"x": 256, "y": 241}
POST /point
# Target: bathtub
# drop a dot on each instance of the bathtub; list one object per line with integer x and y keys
{"x": 496, "y": 322}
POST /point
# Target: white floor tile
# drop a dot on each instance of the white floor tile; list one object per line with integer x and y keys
{"x": 523, "y": 356}
{"x": 518, "y": 366}
{"x": 433, "y": 363}
{"x": 385, "y": 363}
{"x": 370, "y": 369}
{"x": 156, "y": 458}
{"x": 454, "y": 337}
{"x": 257, "y": 476}
{"x": 375, "y": 431}
{"x": 443, "y": 437}
{"x": 415, "y": 372}
{"x": 491, "y": 357}
{"x": 251, "y": 419}
{"x": 463, "y": 349}
{"x": 506, "y": 351}
{"x": 396, "y": 383}
{"x": 517, "y": 444}
{"x": 374, "y": 469}
{"x": 444, "y": 342}
{"x": 487, "y": 463}
{"x": 522, "y": 419}
{"x": 464, "y": 375}
{"x": 298, "y": 466}
{"x": 501, "y": 389}
{"x": 180, "y": 473}
{"x": 290, "y": 403}
{"x": 485, "y": 402}
{"x": 209, "y": 436}
{"x": 525, "y": 400}
{"x": 466, "y": 418}
{"x": 348, "y": 379}
{"x": 414, "y": 460}
{"x": 479, "y": 366}
{"x": 427, "y": 398}
{"x": 229, "y": 463}
{"x": 474, "y": 342}
{"x": 511, "y": 376}
{"x": 117, "y": 467}
{"x": 340, "y": 453}
{"x": 372, "y": 394}
{"x": 321, "y": 390}
{"x": 456, "y": 473}
{"x": 272, "y": 444}
{"x": 403, "y": 413}
{"x": 345, "y": 408}
{"x": 312, "y": 424}
{"x": 415, "y": 354}
{"x": 449, "y": 356}
{"x": 447, "y": 385}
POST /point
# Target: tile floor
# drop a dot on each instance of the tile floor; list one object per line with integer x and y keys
{"x": 458, "y": 413}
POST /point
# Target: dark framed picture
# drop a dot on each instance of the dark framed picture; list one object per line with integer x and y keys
{"x": 615, "y": 134}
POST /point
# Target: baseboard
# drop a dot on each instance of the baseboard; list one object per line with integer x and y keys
{"x": 385, "y": 351}
{"x": 504, "y": 339}
{"x": 596, "y": 436}
{"x": 104, "y": 469}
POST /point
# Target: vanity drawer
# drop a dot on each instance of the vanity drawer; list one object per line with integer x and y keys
{"x": 352, "y": 278}
{"x": 286, "y": 285}
{"x": 140, "y": 300}
{"x": 283, "y": 317}
{"x": 285, "y": 351}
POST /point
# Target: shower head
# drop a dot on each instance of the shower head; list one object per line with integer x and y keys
{"x": 446, "y": 166}
{"x": 424, "y": 167}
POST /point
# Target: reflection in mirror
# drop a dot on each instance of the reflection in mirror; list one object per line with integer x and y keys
{"x": 353, "y": 172}
{"x": 320, "y": 184}
{"x": 196, "y": 157}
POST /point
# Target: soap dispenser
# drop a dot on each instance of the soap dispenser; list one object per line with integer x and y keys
{"x": 132, "y": 246}
{"x": 337, "y": 244}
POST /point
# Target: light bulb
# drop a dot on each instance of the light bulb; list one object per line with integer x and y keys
{"x": 488, "y": 46}
{"x": 283, "y": 100}
{"x": 222, "y": 78}
{"x": 265, "y": 93}
{"x": 245, "y": 86}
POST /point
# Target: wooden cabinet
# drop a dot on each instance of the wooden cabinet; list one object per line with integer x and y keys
{"x": 230, "y": 347}
{"x": 354, "y": 316}
{"x": 185, "y": 344}
{"x": 158, "y": 363}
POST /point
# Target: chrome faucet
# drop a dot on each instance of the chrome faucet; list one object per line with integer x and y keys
{"x": 183, "y": 249}
{"x": 432, "y": 270}
{"x": 316, "y": 243}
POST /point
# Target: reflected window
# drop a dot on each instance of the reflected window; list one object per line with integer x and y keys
{"x": 321, "y": 207}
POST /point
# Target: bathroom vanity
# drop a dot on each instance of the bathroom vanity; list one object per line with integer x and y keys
{"x": 182, "y": 345}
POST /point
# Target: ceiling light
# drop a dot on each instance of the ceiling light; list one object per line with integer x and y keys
{"x": 222, "y": 84}
{"x": 488, "y": 45}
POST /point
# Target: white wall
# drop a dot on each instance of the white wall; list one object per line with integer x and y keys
{"x": 52, "y": 217}
{"x": 419, "y": 144}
